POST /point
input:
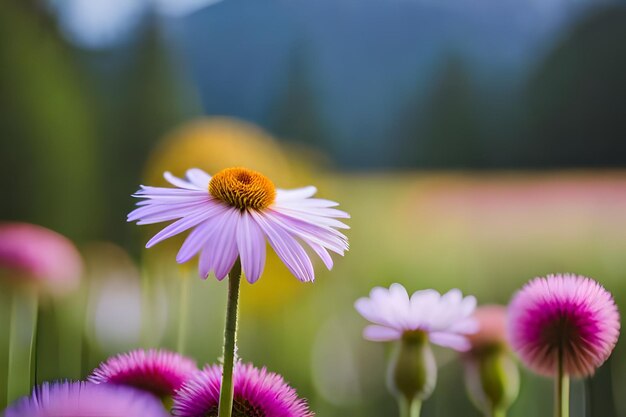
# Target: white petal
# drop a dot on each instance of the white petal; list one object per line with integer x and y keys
{"x": 381, "y": 333}
{"x": 309, "y": 202}
{"x": 382, "y": 308}
{"x": 295, "y": 194}
{"x": 199, "y": 178}
{"x": 178, "y": 182}
{"x": 451, "y": 340}
{"x": 423, "y": 308}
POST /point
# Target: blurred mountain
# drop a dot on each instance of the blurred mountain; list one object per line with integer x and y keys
{"x": 365, "y": 57}
{"x": 576, "y": 98}
{"x": 407, "y": 83}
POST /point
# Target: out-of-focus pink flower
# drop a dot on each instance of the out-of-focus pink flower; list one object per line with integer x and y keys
{"x": 257, "y": 392}
{"x": 563, "y": 314}
{"x": 491, "y": 372}
{"x": 36, "y": 255}
{"x": 492, "y": 321}
{"x": 446, "y": 319}
{"x": 157, "y": 371}
{"x": 82, "y": 399}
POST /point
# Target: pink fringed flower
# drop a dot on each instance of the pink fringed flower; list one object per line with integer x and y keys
{"x": 566, "y": 313}
{"x": 233, "y": 213}
{"x": 445, "y": 318}
{"x": 157, "y": 371}
{"x": 39, "y": 256}
{"x": 257, "y": 392}
{"x": 81, "y": 399}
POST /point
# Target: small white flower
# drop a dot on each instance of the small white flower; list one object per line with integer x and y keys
{"x": 446, "y": 319}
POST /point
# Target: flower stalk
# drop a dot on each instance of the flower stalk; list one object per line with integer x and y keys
{"x": 409, "y": 408}
{"x": 498, "y": 412}
{"x": 183, "y": 312}
{"x": 561, "y": 389}
{"x": 412, "y": 373}
{"x": 492, "y": 379}
{"x": 230, "y": 340}
{"x": 22, "y": 337}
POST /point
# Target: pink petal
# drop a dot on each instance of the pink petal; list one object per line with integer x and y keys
{"x": 198, "y": 237}
{"x": 381, "y": 333}
{"x": 151, "y": 192}
{"x": 286, "y": 247}
{"x": 221, "y": 249}
{"x": 204, "y": 263}
{"x": 322, "y": 253}
{"x": 157, "y": 213}
{"x": 310, "y": 217}
{"x": 251, "y": 245}
{"x": 184, "y": 224}
{"x": 311, "y": 232}
{"x": 314, "y": 211}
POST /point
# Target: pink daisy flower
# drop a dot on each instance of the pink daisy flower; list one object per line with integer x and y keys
{"x": 257, "y": 392}
{"x": 566, "y": 313}
{"x": 157, "y": 371}
{"x": 445, "y": 318}
{"x": 82, "y": 399}
{"x": 39, "y": 256}
{"x": 233, "y": 213}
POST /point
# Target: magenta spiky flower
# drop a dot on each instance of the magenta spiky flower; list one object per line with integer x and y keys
{"x": 82, "y": 399}
{"x": 565, "y": 313}
{"x": 233, "y": 213}
{"x": 36, "y": 255}
{"x": 157, "y": 371}
{"x": 257, "y": 392}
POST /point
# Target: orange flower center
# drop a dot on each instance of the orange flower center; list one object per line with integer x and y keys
{"x": 243, "y": 188}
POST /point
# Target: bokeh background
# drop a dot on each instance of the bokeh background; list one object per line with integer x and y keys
{"x": 475, "y": 144}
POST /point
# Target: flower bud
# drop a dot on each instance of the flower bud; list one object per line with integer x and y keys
{"x": 412, "y": 372}
{"x": 491, "y": 373}
{"x": 492, "y": 379}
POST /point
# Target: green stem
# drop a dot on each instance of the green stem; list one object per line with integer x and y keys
{"x": 561, "y": 389}
{"x": 146, "y": 308}
{"x": 35, "y": 347}
{"x": 230, "y": 340}
{"x": 409, "y": 408}
{"x": 183, "y": 313}
{"x": 22, "y": 336}
{"x": 70, "y": 313}
{"x": 498, "y": 412}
